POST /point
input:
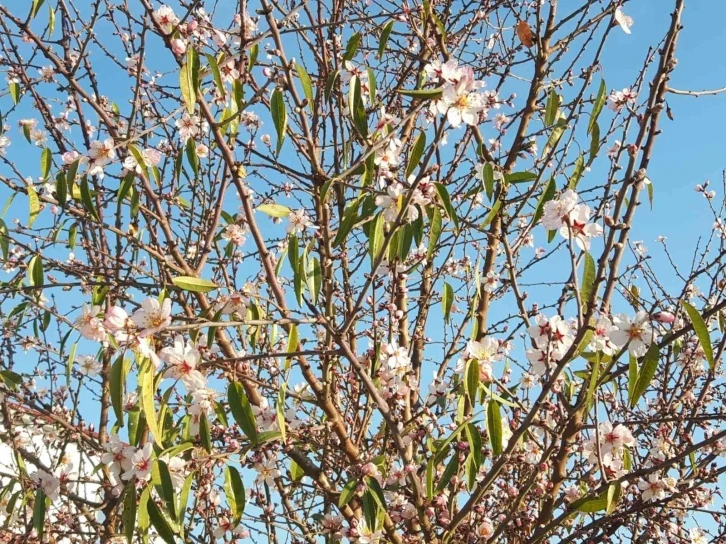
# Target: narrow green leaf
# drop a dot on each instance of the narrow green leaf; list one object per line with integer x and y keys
{"x": 520, "y": 177}
{"x": 423, "y": 94}
{"x": 274, "y": 210}
{"x": 435, "y": 232}
{"x": 376, "y": 238}
{"x": 447, "y": 300}
{"x": 587, "y": 284}
{"x": 160, "y": 523}
{"x": 188, "y": 91}
{"x": 241, "y": 410}
{"x": 36, "y": 276}
{"x": 385, "y": 34}
{"x": 446, "y": 203}
{"x": 330, "y": 84}
{"x": 553, "y": 102}
{"x": 33, "y": 204}
{"x": 167, "y": 488}
{"x": 647, "y": 370}
{"x": 117, "y": 381}
{"x": 234, "y": 489}
{"x": 296, "y": 471}
{"x": 699, "y": 326}
{"x": 494, "y": 426}
{"x": 128, "y": 516}
{"x": 37, "y": 4}
{"x": 216, "y": 74}
{"x": 46, "y": 161}
{"x": 88, "y": 199}
{"x": 39, "y": 513}
{"x": 597, "y": 106}
{"x": 147, "y": 400}
{"x": 472, "y": 380}
{"x": 547, "y": 195}
{"x": 14, "y": 88}
{"x": 279, "y": 116}
{"x": 352, "y": 47}
{"x": 51, "y": 20}
{"x": 488, "y": 180}
{"x": 347, "y": 493}
{"x": 577, "y": 172}
{"x": 307, "y": 85}
{"x": 195, "y": 285}
{"x": 416, "y": 153}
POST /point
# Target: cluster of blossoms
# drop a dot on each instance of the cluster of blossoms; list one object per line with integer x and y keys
{"x": 620, "y": 99}
{"x": 485, "y": 352}
{"x": 460, "y": 100}
{"x": 395, "y": 196}
{"x": 608, "y": 447}
{"x": 552, "y": 338}
{"x": 571, "y": 219}
{"x": 395, "y": 364}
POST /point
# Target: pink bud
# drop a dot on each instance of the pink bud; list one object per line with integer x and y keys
{"x": 266, "y": 72}
{"x": 663, "y": 317}
{"x": 179, "y": 46}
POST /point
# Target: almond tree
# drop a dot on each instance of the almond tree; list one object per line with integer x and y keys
{"x": 342, "y": 272}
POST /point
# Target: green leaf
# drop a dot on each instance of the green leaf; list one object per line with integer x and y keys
{"x": 488, "y": 180}
{"x": 356, "y": 107}
{"x": 451, "y": 469}
{"x": 307, "y": 85}
{"x": 116, "y": 382}
{"x": 553, "y": 102}
{"x": 241, "y": 410}
{"x": 376, "y": 238}
{"x": 234, "y": 489}
{"x": 37, "y": 4}
{"x": 385, "y": 34}
{"x": 216, "y": 74}
{"x": 148, "y": 407}
{"x": 650, "y": 194}
{"x": 699, "y": 326}
{"x": 195, "y": 285}
{"x": 430, "y": 473}
{"x": 314, "y": 278}
{"x": 14, "y": 89}
{"x": 577, "y": 172}
{"x": 88, "y": 199}
{"x": 646, "y": 373}
{"x": 296, "y": 471}
{"x": 34, "y": 205}
{"x": 281, "y": 411}
{"x": 423, "y": 94}
{"x": 494, "y": 426}
{"x": 588, "y": 279}
{"x": 279, "y": 116}
{"x": 597, "y": 106}
{"x": 447, "y": 300}
{"x": 594, "y": 143}
{"x": 435, "y": 232}
{"x": 446, "y": 203}
{"x": 520, "y": 177}
{"x": 167, "y": 488}
{"x": 347, "y": 493}
{"x": 376, "y": 492}
{"x": 160, "y": 523}
{"x": 39, "y": 513}
{"x": 36, "y": 276}
{"x": 192, "y": 158}
{"x": 254, "y": 52}
{"x": 352, "y": 47}
{"x": 416, "y": 153}
{"x": 128, "y": 516}
{"x": 46, "y": 161}
{"x": 472, "y": 380}
{"x": 187, "y": 87}
{"x": 330, "y": 84}
{"x": 205, "y": 434}
{"x": 274, "y": 210}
